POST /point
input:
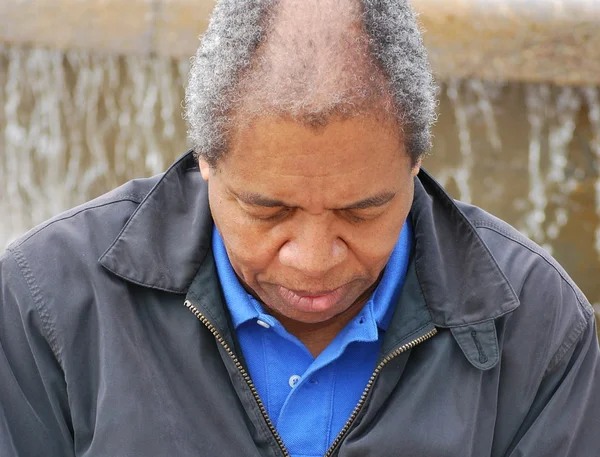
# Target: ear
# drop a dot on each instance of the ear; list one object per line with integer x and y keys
{"x": 416, "y": 168}
{"x": 204, "y": 169}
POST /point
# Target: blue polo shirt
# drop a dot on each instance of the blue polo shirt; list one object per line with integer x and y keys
{"x": 310, "y": 399}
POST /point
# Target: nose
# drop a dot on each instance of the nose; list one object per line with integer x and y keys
{"x": 315, "y": 248}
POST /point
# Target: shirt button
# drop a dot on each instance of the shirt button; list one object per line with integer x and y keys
{"x": 263, "y": 323}
{"x": 294, "y": 380}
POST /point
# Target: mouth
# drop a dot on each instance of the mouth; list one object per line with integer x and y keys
{"x": 312, "y": 301}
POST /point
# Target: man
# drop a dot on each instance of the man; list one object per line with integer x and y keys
{"x": 297, "y": 286}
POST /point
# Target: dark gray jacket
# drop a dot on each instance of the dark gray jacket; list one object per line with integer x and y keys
{"x": 114, "y": 340}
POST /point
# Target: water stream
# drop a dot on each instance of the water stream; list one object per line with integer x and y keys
{"x": 73, "y": 125}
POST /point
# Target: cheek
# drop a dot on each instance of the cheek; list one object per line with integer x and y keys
{"x": 373, "y": 243}
{"x": 249, "y": 251}
{"x": 249, "y": 247}
{"x": 373, "y": 247}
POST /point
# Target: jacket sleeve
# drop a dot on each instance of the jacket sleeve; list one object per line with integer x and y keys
{"x": 564, "y": 420}
{"x": 34, "y": 413}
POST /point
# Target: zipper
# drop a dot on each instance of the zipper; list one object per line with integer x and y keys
{"x": 363, "y": 397}
{"x": 261, "y": 406}
{"x": 242, "y": 371}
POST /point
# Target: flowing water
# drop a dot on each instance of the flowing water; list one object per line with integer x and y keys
{"x": 73, "y": 125}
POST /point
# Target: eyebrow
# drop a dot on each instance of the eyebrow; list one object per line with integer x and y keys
{"x": 372, "y": 202}
{"x": 255, "y": 199}
{"x": 252, "y": 198}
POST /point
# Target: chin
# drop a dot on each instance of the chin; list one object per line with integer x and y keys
{"x": 310, "y": 317}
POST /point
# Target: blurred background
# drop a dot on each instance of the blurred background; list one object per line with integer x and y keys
{"x": 91, "y": 92}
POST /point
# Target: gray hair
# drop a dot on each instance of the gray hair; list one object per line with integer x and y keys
{"x": 258, "y": 58}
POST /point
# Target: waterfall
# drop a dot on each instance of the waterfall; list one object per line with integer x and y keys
{"x": 73, "y": 125}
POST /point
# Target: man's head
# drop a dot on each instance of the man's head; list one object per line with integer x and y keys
{"x": 309, "y": 119}
{"x": 309, "y": 60}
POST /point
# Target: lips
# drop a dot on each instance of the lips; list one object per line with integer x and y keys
{"x": 312, "y": 301}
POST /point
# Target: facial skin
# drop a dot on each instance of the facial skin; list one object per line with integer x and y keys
{"x": 309, "y": 217}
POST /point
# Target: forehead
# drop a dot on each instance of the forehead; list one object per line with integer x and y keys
{"x": 340, "y": 145}
{"x": 340, "y": 161}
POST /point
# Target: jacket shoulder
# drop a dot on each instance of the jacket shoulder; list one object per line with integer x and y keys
{"x": 510, "y": 247}
{"x": 51, "y": 268}
{"x": 100, "y": 218}
{"x": 548, "y": 297}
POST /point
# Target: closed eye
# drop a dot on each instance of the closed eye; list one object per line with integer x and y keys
{"x": 268, "y": 214}
{"x": 364, "y": 214}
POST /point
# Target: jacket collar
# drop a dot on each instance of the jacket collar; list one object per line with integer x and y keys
{"x": 460, "y": 280}
{"x": 165, "y": 241}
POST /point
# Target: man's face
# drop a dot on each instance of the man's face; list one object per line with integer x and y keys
{"x": 310, "y": 217}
